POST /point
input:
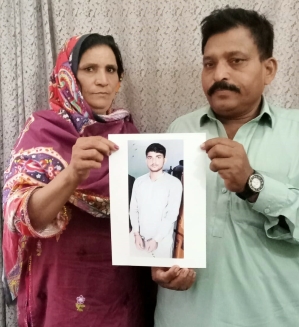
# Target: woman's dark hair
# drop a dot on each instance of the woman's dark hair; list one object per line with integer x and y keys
{"x": 156, "y": 147}
{"x": 222, "y": 20}
{"x": 92, "y": 40}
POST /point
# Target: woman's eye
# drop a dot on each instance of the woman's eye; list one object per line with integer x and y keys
{"x": 89, "y": 69}
{"x": 111, "y": 70}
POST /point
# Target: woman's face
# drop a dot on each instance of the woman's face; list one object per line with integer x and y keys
{"x": 98, "y": 79}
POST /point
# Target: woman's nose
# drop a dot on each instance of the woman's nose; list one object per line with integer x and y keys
{"x": 101, "y": 78}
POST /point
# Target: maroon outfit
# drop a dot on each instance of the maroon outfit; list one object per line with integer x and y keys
{"x": 63, "y": 275}
{"x": 80, "y": 264}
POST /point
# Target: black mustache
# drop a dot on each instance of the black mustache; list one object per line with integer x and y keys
{"x": 222, "y": 85}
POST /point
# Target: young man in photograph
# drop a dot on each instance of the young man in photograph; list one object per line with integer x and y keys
{"x": 154, "y": 207}
{"x": 252, "y": 151}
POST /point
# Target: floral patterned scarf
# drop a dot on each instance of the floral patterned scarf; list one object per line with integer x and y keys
{"x": 42, "y": 151}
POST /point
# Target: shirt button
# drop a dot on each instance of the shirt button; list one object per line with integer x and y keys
{"x": 267, "y": 210}
{"x": 224, "y": 190}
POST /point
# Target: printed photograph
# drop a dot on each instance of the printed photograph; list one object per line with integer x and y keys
{"x": 158, "y": 200}
{"x": 156, "y": 223}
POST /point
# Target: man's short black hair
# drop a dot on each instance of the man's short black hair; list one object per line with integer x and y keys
{"x": 222, "y": 20}
{"x": 156, "y": 147}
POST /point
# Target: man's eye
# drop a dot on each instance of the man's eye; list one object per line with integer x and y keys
{"x": 237, "y": 60}
{"x": 208, "y": 64}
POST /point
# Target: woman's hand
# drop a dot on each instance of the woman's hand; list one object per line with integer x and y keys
{"x": 88, "y": 153}
{"x": 174, "y": 278}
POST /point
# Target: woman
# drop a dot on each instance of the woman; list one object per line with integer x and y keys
{"x": 56, "y": 245}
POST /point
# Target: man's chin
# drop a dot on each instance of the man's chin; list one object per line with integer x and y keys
{"x": 155, "y": 170}
{"x": 223, "y": 104}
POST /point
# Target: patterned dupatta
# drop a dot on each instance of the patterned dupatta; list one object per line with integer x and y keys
{"x": 42, "y": 151}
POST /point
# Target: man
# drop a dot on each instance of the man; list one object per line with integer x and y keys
{"x": 154, "y": 207}
{"x": 252, "y": 270}
{"x": 178, "y": 170}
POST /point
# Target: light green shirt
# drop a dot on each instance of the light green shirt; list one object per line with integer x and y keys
{"x": 252, "y": 274}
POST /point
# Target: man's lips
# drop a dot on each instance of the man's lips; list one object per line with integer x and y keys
{"x": 221, "y": 92}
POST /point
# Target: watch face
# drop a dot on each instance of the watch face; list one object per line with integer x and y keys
{"x": 256, "y": 182}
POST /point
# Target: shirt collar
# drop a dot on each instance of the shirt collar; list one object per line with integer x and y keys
{"x": 161, "y": 176}
{"x": 265, "y": 115}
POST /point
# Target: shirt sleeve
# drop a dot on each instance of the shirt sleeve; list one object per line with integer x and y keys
{"x": 18, "y": 220}
{"x": 134, "y": 209}
{"x": 172, "y": 210}
{"x": 278, "y": 200}
{"x": 18, "y": 188}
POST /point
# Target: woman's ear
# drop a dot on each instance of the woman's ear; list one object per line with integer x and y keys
{"x": 119, "y": 83}
{"x": 270, "y": 69}
{"x": 117, "y": 87}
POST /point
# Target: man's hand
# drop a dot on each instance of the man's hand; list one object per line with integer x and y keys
{"x": 229, "y": 159}
{"x": 151, "y": 245}
{"x": 138, "y": 241}
{"x": 174, "y": 278}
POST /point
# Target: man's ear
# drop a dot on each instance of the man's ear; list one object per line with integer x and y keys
{"x": 270, "y": 66}
{"x": 165, "y": 160}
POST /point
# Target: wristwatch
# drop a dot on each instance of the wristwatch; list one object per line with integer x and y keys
{"x": 254, "y": 185}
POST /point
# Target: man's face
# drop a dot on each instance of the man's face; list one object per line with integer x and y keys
{"x": 232, "y": 57}
{"x": 155, "y": 161}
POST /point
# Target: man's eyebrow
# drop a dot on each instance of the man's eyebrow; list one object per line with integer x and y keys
{"x": 207, "y": 58}
{"x": 236, "y": 53}
{"x": 228, "y": 54}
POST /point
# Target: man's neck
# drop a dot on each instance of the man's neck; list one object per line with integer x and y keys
{"x": 232, "y": 124}
{"x": 154, "y": 175}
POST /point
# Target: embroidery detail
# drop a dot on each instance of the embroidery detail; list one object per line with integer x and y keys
{"x": 98, "y": 206}
{"x": 80, "y": 303}
{"x": 14, "y": 277}
{"x": 61, "y": 221}
{"x": 39, "y": 248}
